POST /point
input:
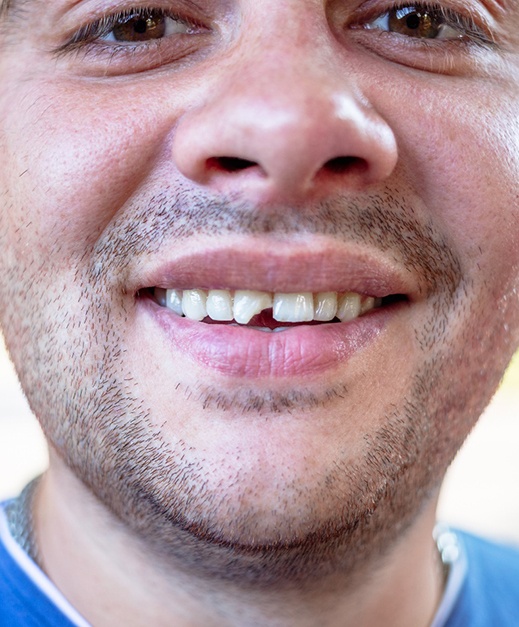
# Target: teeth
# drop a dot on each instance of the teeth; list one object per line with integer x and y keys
{"x": 348, "y": 307}
{"x": 219, "y": 305}
{"x": 293, "y": 307}
{"x": 194, "y": 304}
{"x": 247, "y": 304}
{"x": 367, "y": 305}
{"x": 174, "y": 301}
{"x": 325, "y": 306}
{"x": 242, "y": 305}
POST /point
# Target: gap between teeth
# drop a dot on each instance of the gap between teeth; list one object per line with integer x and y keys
{"x": 242, "y": 305}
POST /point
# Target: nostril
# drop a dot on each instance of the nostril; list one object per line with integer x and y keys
{"x": 230, "y": 164}
{"x": 341, "y": 165}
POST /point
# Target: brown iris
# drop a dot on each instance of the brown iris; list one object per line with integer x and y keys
{"x": 141, "y": 28}
{"x": 415, "y": 22}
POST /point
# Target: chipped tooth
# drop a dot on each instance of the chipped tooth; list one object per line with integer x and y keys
{"x": 174, "y": 301}
{"x": 325, "y": 306}
{"x": 367, "y": 305}
{"x": 348, "y": 307}
{"x": 219, "y": 305}
{"x": 293, "y": 307}
{"x": 248, "y": 303}
{"x": 194, "y": 304}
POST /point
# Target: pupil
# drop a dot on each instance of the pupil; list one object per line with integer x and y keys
{"x": 413, "y": 21}
{"x": 140, "y": 26}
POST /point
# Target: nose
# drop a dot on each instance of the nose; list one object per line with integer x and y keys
{"x": 283, "y": 130}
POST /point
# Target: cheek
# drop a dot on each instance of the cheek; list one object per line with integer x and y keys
{"x": 73, "y": 156}
{"x": 460, "y": 150}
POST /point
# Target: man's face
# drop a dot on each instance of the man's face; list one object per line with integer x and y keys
{"x": 284, "y": 147}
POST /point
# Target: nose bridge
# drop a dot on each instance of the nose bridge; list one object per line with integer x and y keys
{"x": 294, "y": 44}
{"x": 285, "y": 60}
{"x": 282, "y": 108}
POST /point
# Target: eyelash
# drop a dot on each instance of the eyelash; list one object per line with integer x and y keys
{"x": 90, "y": 33}
{"x": 465, "y": 24}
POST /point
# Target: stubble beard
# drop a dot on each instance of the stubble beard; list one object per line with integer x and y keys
{"x": 108, "y": 435}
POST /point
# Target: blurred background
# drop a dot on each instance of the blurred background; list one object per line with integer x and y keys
{"x": 481, "y": 491}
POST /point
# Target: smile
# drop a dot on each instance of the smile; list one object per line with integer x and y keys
{"x": 265, "y": 311}
{"x": 301, "y": 313}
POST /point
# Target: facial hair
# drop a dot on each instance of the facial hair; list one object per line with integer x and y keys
{"x": 72, "y": 368}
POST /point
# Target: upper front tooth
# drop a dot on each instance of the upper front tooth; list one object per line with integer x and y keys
{"x": 348, "y": 306}
{"x": 293, "y": 307}
{"x": 219, "y": 305}
{"x": 248, "y": 303}
{"x": 194, "y": 304}
{"x": 325, "y": 306}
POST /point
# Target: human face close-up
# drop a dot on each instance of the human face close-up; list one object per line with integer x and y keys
{"x": 297, "y": 147}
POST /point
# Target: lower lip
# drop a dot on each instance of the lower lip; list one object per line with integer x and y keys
{"x": 242, "y": 352}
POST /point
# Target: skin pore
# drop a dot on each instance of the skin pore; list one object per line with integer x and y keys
{"x": 263, "y": 132}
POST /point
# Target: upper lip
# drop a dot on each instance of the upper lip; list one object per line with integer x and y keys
{"x": 292, "y": 269}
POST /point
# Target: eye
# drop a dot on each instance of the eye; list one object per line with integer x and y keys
{"x": 422, "y": 22}
{"x": 135, "y": 26}
{"x": 142, "y": 26}
{"x": 137, "y": 40}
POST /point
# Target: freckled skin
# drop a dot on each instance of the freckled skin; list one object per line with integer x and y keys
{"x": 270, "y": 481}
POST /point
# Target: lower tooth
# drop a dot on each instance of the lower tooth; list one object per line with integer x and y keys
{"x": 243, "y": 326}
{"x": 263, "y": 329}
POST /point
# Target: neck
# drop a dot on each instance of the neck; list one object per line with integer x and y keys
{"x": 112, "y": 577}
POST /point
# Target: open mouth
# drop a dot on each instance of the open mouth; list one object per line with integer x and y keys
{"x": 247, "y": 312}
{"x": 267, "y": 311}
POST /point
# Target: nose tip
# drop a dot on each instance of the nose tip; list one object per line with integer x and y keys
{"x": 283, "y": 142}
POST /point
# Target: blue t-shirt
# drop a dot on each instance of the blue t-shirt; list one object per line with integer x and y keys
{"x": 21, "y": 601}
{"x": 482, "y": 590}
{"x": 27, "y": 597}
{"x": 489, "y": 592}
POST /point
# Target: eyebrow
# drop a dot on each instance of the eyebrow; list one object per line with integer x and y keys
{"x": 10, "y": 6}
{"x": 5, "y": 5}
